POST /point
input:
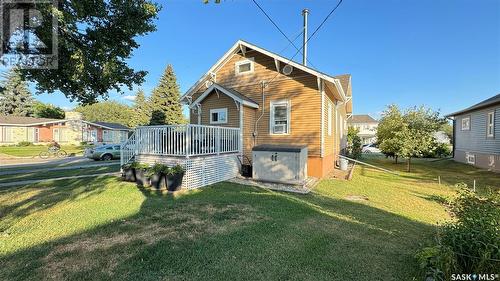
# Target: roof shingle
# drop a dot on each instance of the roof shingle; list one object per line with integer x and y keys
{"x": 363, "y": 118}
{"x": 21, "y": 120}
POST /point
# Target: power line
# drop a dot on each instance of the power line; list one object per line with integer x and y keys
{"x": 310, "y": 37}
{"x": 277, "y": 27}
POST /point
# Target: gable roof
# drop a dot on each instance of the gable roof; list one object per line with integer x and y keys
{"x": 235, "y": 95}
{"x": 362, "y": 118}
{"x": 241, "y": 45}
{"x": 21, "y": 120}
{"x": 487, "y": 102}
{"x": 114, "y": 126}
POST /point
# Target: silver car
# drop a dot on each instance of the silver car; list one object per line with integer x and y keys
{"x": 104, "y": 152}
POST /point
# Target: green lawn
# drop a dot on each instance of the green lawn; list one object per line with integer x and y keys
{"x": 34, "y": 150}
{"x": 104, "y": 229}
{"x": 38, "y": 175}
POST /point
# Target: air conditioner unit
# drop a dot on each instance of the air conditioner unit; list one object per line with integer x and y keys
{"x": 279, "y": 129}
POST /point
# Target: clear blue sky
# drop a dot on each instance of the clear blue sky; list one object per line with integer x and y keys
{"x": 443, "y": 54}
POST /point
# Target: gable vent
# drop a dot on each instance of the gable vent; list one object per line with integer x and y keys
{"x": 287, "y": 69}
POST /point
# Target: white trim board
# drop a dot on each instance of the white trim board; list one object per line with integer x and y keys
{"x": 226, "y": 92}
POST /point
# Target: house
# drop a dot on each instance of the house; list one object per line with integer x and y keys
{"x": 70, "y": 130}
{"x": 274, "y": 100}
{"x": 367, "y": 127}
{"x": 476, "y": 134}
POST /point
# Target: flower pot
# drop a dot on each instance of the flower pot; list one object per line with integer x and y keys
{"x": 159, "y": 181}
{"x": 140, "y": 177}
{"x": 174, "y": 182}
{"x": 128, "y": 174}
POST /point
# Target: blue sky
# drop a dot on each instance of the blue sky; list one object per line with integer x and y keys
{"x": 443, "y": 54}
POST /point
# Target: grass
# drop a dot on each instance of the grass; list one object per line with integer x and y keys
{"x": 38, "y": 175}
{"x": 105, "y": 229}
{"x": 34, "y": 150}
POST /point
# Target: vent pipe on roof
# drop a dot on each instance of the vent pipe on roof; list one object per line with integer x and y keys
{"x": 305, "y": 12}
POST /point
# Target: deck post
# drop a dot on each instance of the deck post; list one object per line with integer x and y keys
{"x": 217, "y": 143}
{"x": 188, "y": 140}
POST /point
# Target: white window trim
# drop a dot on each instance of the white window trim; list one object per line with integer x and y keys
{"x": 288, "y": 118}
{"x": 462, "y": 124}
{"x": 470, "y": 158}
{"x": 245, "y": 61}
{"x": 217, "y": 110}
{"x": 490, "y": 125}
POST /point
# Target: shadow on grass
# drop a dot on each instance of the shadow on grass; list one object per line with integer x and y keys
{"x": 223, "y": 232}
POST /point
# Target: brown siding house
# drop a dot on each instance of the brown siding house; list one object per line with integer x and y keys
{"x": 275, "y": 101}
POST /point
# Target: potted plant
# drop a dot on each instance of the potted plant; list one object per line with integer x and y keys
{"x": 128, "y": 172}
{"x": 174, "y": 178}
{"x": 157, "y": 173}
{"x": 140, "y": 173}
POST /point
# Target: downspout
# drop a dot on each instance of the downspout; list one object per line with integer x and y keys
{"x": 254, "y": 134}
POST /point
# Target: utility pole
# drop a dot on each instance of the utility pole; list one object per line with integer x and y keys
{"x": 305, "y": 12}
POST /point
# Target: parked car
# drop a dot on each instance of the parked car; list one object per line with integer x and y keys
{"x": 370, "y": 148}
{"x": 104, "y": 152}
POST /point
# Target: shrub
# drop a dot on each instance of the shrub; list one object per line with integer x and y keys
{"x": 471, "y": 242}
{"x": 158, "y": 168}
{"x": 139, "y": 166}
{"x": 177, "y": 169}
{"x": 353, "y": 143}
{"x": 441, "y": 150}
{"x": 24, "y": 143}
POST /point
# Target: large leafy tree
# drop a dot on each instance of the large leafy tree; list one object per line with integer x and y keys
{"x": 107, "y": 111}
{"x": 95, "y": 40}
{"x": 409, "y": 134}
{"x": 142, "y": 110}
{"x": 15, "y": 96}
{"x": 44, "y": 110}
{"x": 165, "y": 106}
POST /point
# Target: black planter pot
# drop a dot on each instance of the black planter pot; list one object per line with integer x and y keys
{"x": 140, "y": 177}
{"x": 129, "y": 174}
{"x": 174, "y": 182}
{"x": 159, "y": 181}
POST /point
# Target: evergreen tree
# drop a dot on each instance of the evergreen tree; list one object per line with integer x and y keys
{"x": 165, "y": 106}
{"x": 45, "y": 110}
{"x": 15, "y": 97}
{"x": 142, "y": 111}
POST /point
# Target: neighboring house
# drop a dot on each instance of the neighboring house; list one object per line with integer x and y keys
{"x": 275, "y": 101}
{"x": 71, "y": 130}
{"x": 441, "y": 137}
{"x": 476, "y": 133}
{"x": 367, "y": 128}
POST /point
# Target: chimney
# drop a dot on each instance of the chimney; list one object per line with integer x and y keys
{"x": 73, "y": 115}
{"x": 305, "y": 12}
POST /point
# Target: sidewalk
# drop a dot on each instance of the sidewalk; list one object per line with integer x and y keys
{"x": 36, "y": 161}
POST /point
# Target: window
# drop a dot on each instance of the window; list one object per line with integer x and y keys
{"x": 330, "y": 115}
{"x": 465, "y": 123}
{"x": 5, "y": 134}
{"x": 471, "y": 158}
{"x": 280, "y": 117}
{"x": 107, "y": 136}
{"x": 490, "y": 127}
{"x": 218, "y": 116}
{"x": 244, "y": 66}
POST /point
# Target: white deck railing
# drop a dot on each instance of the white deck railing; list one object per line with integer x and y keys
{"x": 181, "y": 140}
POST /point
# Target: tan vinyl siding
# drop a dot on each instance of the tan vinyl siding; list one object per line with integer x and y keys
{"x": 214, "y": 101}
{"x": 299, "y": 88}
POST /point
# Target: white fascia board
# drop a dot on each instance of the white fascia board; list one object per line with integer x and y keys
{"x": 215, "y": 86}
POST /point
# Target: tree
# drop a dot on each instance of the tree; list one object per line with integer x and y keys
{"x": 447, "y": 128}
{"x": 43, "y": 110}
{"x": 410, "y": 134}
{"x": 95, "y": 40}
{"x": 390, "y": 123}
{"x": 353, "y": 142}
{"x": 165, "y": 106}
{"x": 142, "y": 111}
{"x": 107, "y": 111}
{"x": 15, "y": 97}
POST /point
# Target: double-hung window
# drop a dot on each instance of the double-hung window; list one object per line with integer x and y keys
{"x": 218, "y": 116}
{"x": 280, "y": 117}
{"x": 490, "y": 126}
{"x": 465, "y": 123}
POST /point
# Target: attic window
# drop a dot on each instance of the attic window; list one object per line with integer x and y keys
{"x": 244, "y": 66}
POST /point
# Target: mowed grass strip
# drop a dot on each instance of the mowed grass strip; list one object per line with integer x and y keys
{"x": 34, "y": 150}
{"x": 105, "y": 229}
{"x": 39, "y": 175}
